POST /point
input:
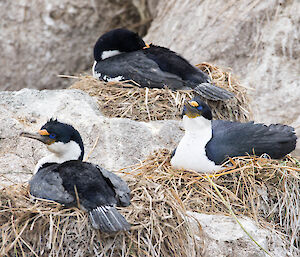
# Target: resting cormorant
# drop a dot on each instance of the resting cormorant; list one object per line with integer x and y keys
{"x": 63, "y": 177}
{"x": 207, "y": 143}
{"x": 121, "y": 54}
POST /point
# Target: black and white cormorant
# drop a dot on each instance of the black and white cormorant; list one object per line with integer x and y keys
{"x": 63, "y": 177}
{"x": 207, "y": 143}
{"x": 121, "y": 54}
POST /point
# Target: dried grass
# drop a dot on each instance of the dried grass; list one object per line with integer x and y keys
{"x": 263, "y": 189}
{"x": 125, "y": 100}
{"x": 44, "y": 228}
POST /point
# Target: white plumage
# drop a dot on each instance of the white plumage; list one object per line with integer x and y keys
{"x": 190, "y": 153}
{"x": 61, "y": 152}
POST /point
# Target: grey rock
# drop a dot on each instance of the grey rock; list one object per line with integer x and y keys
{"x": 42, "y": 39}
{"x": 121, "y": 142}
{"x": 258, "y": 40}
{"x": 224, "y": 237}
{"x": 118, "y": 142}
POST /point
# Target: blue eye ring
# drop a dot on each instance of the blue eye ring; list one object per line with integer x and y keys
{"x": 52, "y": 136}
{"x": 200, "y": 107}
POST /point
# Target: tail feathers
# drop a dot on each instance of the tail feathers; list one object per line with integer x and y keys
{"x": 108, "y": 219}
{"x": 280, "y": 140}
{"x": 212, "y": 92}
{"x": 236, "y": 139}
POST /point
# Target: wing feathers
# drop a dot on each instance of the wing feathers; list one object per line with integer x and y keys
{"x": 236, "y": 139}
{"x": 120, "y": 186}
{"x": 108, "y": 219}
{"x": 147, "y": 73}
{"x": 212, "y": 92}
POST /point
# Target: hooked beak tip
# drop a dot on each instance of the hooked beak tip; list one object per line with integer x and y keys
{"x": 32, "y": 135}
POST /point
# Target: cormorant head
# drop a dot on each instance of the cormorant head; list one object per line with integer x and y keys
{"x": 196, "y": 108}
{"x": 117, "y": 41}
{"x": 61, "y": 139}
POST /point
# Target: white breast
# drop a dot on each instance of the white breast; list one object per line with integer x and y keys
{"x": 190, "y": 153}
{"x": 61, "y": 152}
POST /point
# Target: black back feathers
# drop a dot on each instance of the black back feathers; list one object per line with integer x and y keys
{"x": 153, "y": 67}
{"x": 97, "y": 189}
{"x": 237, "y": 139}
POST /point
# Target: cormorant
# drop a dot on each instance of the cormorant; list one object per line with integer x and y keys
{"x": 207, "y": 143}
{"x": 63, "y": 177}
{"x": 121, "y": 54}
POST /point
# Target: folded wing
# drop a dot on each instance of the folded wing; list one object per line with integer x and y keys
{"x": 236, "y": 139}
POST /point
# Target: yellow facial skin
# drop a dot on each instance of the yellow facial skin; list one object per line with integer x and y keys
{"x": 190, "y": 109}
{"x": 192, "y": 115}
{"x": 193, "y": 103}
{"x": 43, "y": 132}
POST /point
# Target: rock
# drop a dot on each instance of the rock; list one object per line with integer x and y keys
{"x": 223, "y": 236}
{"x": 119, "y": 142}
{"x": 258, "y": 40}
{"x": 42, "y": 39}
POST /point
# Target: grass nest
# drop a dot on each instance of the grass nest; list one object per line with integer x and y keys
{"x": 263, "y": 189}
{"x": 127, "y": 100}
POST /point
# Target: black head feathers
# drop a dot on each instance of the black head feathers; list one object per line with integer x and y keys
{"x": 122, "y": 40}
{"x": 62, "y": 132}
{"x": 196, "y": 107}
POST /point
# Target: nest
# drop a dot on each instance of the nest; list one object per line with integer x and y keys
{"x": 263, "y": 189}
{"x": 127, "y": 100}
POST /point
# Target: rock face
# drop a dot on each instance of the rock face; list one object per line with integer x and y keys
{"x": 42, "y": 39}
{"x": 121, "y": 142}
{"x": 225, "y": 237}
{"x": 258, "y": 39}
{"x": 118, "y": 143}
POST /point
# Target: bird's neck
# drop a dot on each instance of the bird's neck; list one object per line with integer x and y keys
{"x": 191, "y": 150}
{"x": 102, "y": 55}
{"x": 109, "y": 53}
{"x": 95, "y": 74}
{"x": 61, "y": 152}
{"x": 198, "y": 125}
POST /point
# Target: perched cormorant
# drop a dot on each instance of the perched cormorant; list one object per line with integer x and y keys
{"x": 207, "y": 143}
{"x": 63, "y": 177}
{"x": 121, "y": 54}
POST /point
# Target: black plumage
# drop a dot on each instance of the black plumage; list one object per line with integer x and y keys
{"x": 236, "y": 139}
{"x": 97, "y": 190}
{"x": 207, "y": 143}
{"x": 153, "y": 67}
{"x": 74, "y": 182}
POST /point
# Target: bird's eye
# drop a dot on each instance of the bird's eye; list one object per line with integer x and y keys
{"x": 52, "y": 136}
{"x": 200, "y": 107}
